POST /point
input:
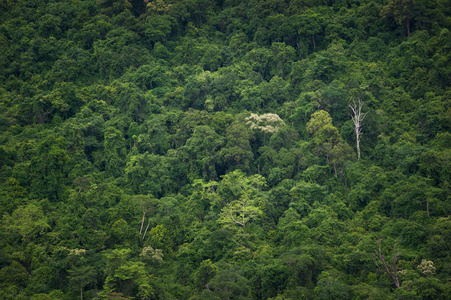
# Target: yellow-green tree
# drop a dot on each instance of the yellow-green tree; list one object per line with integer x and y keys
{"x": 246, "y": 204}
{"x": 325, "y": 135}
{"x": 28, "y": 221}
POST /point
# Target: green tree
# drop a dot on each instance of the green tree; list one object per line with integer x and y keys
{"x": 282, "y": 58}
{"x": 339, "y": 154}
{"x": 400, "y": 11}
{"x": 130, "y": 279}
{"x": 246, "y": 202}
{"x": 27, "y": 220}
{"x": 237, "y": 152}
{"x": 82, "y": 277}
{"x": 12, "y": 194}
{"x": 329, "y": 288}
{"x": 206, "y": 271}
{"x": 150, "y": 174}
{"x": 114, "y": 145}
{"x": 325, "y": 135}
{"x": 49, "y": 168}
{"x": 162, "y": 238}
{"x": 202, "y": 148}
{"x": 158, "y": 7}
{"x": 227, "y": 283}
{"x": 310, "y": 24}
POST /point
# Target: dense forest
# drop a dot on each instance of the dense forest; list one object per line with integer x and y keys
{"x": 260, "y": 149}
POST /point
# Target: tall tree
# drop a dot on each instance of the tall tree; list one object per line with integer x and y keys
{"x": 325, "y": 135}
{"x": 246, "y": 204}
{"x": 357, "y": 117}
{"x": 82, "y": 276}
{"x": 201, "y": 148}
{"x": 400, "y": 11}
{"x": 388, "y": 267}
{"x": 266, "y": 123}
{"x": 28, "y": 221}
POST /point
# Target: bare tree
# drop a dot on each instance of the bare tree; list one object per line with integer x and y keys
{"x": 390, "y": 269}
{"x": 357, "y": 118}
{"x": 147, "y": 206}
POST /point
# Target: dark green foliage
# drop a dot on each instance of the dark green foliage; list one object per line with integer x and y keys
{"x": 138, "y": 159}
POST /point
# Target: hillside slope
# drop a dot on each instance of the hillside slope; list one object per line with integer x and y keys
{"x": 194, "y": 149}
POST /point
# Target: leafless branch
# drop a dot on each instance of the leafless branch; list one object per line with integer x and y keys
{"x": 392, "y": 271}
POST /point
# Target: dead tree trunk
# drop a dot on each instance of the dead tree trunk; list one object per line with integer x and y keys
{"x": 391, "y": 270}
{"x": 142, "y": 222}
{"x": 357, "y": 118}
{"x": 145, "y": 232}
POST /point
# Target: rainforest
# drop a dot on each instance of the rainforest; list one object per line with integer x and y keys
{"x": 260, "y": 149}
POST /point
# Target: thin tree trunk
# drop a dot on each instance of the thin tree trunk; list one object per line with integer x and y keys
{"x": 358, "y": 142}
{"x": 346, "y": 183}
{"x": 357, "y": 119}
{"x": 144, "y": 235}
{"x": 244, "y": 222}
{"x": 142, "y": 222}
{"x": 393, "y": 271}
{"x": 408, "y": 26}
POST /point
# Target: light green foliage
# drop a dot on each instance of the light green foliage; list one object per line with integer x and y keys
{"x": 131, "y": 280}
{"x": 158, "y": 7}
{"x": 207, "y": 270}
{"x": 161, "y": 238}
{"x": 11, "y": 195}
{"x": 247, "y": 201}
{"x": 148, "y": 253}
{"x": 326, "y": 135}
{"x": 28, "y": 221}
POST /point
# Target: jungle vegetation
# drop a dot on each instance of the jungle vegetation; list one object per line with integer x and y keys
{"x": 260, "y": 149}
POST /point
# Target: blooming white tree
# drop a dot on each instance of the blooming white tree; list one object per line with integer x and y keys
{"x": 426, "y": 267}
{"x": 267, "y": 123}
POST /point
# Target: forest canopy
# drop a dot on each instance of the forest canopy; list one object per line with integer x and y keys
{"x": 261, "y": 149}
